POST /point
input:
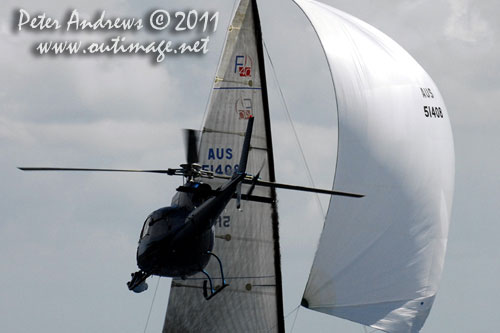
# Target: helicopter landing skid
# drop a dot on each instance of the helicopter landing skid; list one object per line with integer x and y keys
{"x": 217, "y": 289}
{"x": 138, "y": 282}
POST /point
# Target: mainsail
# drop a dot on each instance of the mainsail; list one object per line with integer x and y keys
{"x": 380, "y": 259}
{"x": 247, "y": 241}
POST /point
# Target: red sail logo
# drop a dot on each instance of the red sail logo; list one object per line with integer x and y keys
{"x": 243, "y": 65}
{"x": 244, "y": 108}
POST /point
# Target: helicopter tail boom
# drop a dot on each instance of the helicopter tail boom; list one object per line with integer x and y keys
{"x": 246, "y": 147}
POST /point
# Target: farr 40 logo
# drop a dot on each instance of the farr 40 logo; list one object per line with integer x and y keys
{"x": 243, "y": 65}
{"x": 244, "y": 108}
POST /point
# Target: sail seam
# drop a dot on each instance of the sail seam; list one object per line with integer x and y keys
{"x": 209, "y": 130}
{"x": 230, "y": 277}
{"x": 368, "y": 304}
{"x": 237, "y": 88}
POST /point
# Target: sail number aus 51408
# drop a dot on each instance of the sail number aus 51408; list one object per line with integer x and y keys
{"x": 223, "y": 222}
{"x": 433, "y": 112}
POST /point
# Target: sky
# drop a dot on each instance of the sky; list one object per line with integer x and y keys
{"x": 68, "y": 240}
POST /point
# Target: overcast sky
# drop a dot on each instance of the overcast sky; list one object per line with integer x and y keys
{"x": 68, "y": 241}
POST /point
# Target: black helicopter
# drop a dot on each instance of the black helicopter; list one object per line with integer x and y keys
{"x": 177, "y": 241}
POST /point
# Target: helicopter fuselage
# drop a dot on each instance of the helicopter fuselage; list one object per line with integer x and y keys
{"x": 176, "y": 241}
{"x": 158, "y": 254}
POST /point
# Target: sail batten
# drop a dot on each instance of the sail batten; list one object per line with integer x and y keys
{"x": 380, "y": 258}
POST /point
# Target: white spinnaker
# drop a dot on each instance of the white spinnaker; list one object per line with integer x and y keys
{"x": 246, "y": 241}
{"x": 380, "y": 258}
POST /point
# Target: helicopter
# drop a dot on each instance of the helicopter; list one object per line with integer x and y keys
{"x": 177, "y": 241}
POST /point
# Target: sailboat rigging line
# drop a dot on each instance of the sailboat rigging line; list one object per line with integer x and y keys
{"x": 151, "y": 307}
{"x": 289, "y": 117}
{"x": 285, "y": 317}
{"x": 297, "y": 309}
{"x": 292, "y": 311}
{"x": 272, "y": 174}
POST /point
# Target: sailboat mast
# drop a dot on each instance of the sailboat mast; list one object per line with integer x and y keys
{"x": 272, "y": 174}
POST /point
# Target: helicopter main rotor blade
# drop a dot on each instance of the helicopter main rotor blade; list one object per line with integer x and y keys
{"x": 303, "y": 188}
{"x": 251, "y": 180}
{"x": 191, "y": 140}
{"x": 168, "y": 172}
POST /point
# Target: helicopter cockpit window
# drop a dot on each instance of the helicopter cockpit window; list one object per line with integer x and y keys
{"x": 145, "y": 229}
